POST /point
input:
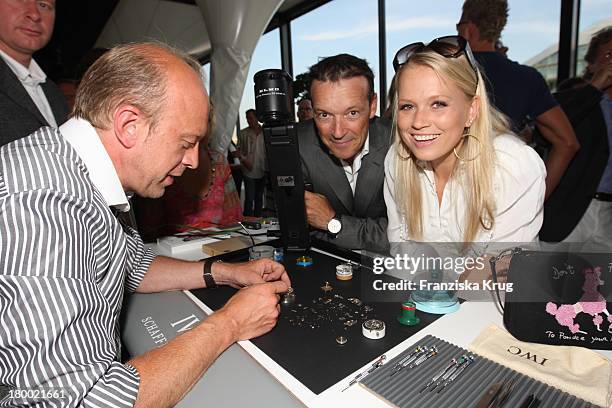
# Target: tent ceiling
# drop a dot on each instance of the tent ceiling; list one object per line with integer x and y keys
{"x": 80, "y": 25}
{"x": 177, "y": 22}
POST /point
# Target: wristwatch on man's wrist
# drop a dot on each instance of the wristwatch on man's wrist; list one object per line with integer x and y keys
{"x": 207, "y": 274}
{"x": 334, "y": 225}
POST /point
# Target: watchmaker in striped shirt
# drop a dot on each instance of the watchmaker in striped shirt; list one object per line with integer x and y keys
{"x": 65, "y": 260}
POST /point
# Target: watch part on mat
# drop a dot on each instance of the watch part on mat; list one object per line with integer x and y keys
{"x": 344, "y": 272}
{"x": 327, "y": 287}
{"x": 288, "y": 297}
{"x": 304, "y": 261}
{"x": 373, "y": 329}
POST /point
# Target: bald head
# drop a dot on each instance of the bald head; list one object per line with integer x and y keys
{"x": 135, "y": 74}
{"x": 150, "y": 108}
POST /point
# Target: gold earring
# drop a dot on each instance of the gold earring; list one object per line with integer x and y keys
{"x": 408, "y": 155}
{"x": 466, "y": 135}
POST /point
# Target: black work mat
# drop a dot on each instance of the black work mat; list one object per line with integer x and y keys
{"x": 312, "y": 355}
{"x": 403, "y": 389}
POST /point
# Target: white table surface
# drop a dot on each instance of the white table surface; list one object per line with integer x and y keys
{"x": 459, "y": 328}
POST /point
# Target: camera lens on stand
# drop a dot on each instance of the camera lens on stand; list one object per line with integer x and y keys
{"x": 273, "y": 96}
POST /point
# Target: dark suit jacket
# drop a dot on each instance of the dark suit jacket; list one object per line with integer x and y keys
{"x": 19, "y": 116}
{"x": 568, "y": 203}
{"x": 364, "y": 216}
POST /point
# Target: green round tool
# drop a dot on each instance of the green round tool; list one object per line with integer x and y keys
{"x": 408, "y": 316}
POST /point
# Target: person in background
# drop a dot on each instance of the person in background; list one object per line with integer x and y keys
{"x": 304, "y": 111}
{"x": 580, "y": 210}
{"x": 455, "y": 172}
{"x": 519, "y": 91}
{"x": 28, "y": 99}
{"x": 233, "y": 158}
{"x": 201, "y": 198}
{"x": 68, "y": 88}
{"x": 69, "y": 85}
{"x": 388, "y": 113}
{"x": 252, "y": 156}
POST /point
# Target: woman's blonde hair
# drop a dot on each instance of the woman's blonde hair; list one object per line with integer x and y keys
{"x": 477, "y": 174}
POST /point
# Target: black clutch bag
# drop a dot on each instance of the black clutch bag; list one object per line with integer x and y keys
{"x": 558, "y": 298}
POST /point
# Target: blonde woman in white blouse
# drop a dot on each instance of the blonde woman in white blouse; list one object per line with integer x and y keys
{"x": 455, "y": 172}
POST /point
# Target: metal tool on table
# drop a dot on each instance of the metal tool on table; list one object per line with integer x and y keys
{"x": 466, "y": 364}
{"x": 460, "y": 362}
{"x": 489, "y": 395}
{"x": 433, "y": 351}
{"x": 496, "y": 395}
{"x": 418, "y": 352}
{"x": 505, "y": 394}
{"x": 376, "y": 364}
{"x": 531, "y": 401}
{"x": 450, "y": 367}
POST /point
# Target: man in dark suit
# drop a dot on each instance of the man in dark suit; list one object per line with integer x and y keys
{"x": 28, "y": 100}
{"x": 343, "y": 150}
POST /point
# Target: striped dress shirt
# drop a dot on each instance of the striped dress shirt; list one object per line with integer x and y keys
{"x": 65, "y": 263}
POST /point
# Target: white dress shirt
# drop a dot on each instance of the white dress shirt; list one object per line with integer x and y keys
{"x": 70, "y": 266}
{"x": 518, "y": 188}
{"x": 352, "y": 171}
{"x": 85, "y": 140}
{"x": 31, "y": 78}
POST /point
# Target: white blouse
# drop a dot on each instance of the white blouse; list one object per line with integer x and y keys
{"x": 518, "y": 185}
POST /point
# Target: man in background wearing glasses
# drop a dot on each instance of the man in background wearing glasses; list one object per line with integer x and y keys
{"x": 517, "y": 90}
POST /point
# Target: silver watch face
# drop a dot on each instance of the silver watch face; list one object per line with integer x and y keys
{"x": 334, "y": 225}
{"x": 374, "y": 324}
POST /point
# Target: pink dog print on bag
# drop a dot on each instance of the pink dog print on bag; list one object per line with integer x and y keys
{"x": 592, "y": 302}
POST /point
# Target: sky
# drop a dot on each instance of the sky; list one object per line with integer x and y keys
{"x": 352, "y": 26}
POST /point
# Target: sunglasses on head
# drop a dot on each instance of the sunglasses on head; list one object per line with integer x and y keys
{"x": 450, "y": 46}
